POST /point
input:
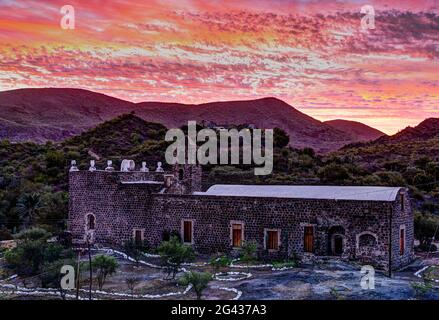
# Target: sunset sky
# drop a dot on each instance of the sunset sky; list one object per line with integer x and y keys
{"x": 312, "y": 54}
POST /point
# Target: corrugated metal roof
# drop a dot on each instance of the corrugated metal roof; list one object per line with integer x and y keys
{"x": 359, "y": 193}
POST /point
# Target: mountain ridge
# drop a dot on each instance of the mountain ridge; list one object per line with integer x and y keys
{"x": 58, "y": 113}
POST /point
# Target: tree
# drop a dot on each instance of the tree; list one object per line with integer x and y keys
{"x": 33, "y": 234}
{"x": 134, "y": 250}
{"x": 280, "y": 138}
{"x": 51, "y": 276}
{"x": 425, "y": 227}
{"x": 333, "y": 173}
{"x": 131, "y": 283}
{"x": 173, "y": 254}
{"x": 28, "y": 207}
{"x": 104, "y": 266}
{"x": 199, "y": 281}
{"x": 30, "y": 255}
{"x": 248, "y": 255}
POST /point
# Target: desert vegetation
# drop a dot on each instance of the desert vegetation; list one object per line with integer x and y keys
{"x": 34, "y": 177}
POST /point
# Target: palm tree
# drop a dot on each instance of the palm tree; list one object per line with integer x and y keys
{"x": 28, "y": 207}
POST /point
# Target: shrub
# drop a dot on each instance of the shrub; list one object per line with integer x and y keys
{"x": 391, "y": 178}
{"x": 333, "y": 173}
{"x": 199, "y": 281}
{"x": 51, "y": 273}
{"x": 285, "y": 264}
{"x": 219, "y": 261}
{"x": 425, "y": 228}
{"x": 33, "y": 234}
{"x": 422, "y": 288}
{"x": 131, "y": 284}
{"x": 135, "y": 250}
{"x": 173, "y": 254}
{"x": 104, "y": 266}
{"x": 249, "y": 250}
{"x": 280, "y": 138}
{"x": 28, "y": 257}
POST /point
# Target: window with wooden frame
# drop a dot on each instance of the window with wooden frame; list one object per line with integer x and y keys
{"x": 308, "y": 239}
{"x": 187, "y": 231}
{"x": 237, "y": 234}
{"x": 401, "y": 240}
{"x": 272, "y": 239}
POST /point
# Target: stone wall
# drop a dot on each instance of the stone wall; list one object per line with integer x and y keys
{"x": 212, "y": 216}
{"x": 121, "y": 203}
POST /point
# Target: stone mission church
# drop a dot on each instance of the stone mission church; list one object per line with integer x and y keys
{"x": 372, "y": 225}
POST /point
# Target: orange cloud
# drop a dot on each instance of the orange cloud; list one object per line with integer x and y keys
{"x": 312, "y": 54}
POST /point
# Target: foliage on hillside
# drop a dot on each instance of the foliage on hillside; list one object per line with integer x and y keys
{"x": 39, "y": 173}
{"x": 34, "y": 181}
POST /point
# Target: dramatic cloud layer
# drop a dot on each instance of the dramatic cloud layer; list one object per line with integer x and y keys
{"x": 313, "y": 54}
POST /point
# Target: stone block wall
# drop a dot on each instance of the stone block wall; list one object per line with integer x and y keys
{"x": 121, "y": 204}
{"x": 212, "y": 217}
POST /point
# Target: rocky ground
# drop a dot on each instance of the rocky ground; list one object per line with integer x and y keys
{"x": 331, "y": 279}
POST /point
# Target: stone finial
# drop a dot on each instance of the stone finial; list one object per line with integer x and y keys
{"x": 159, "y": 167}
{"x": 92, "y": 166}
{"x": 73, "y": 166}
{"x": 144, "y": 167}
{"x": 109, "y": 166}
{"x": 127, "y": 165}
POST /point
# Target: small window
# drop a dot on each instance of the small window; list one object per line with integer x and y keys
{"x": 237, "y": 231}
{"x": 272, "y": 240}
{"x": 187, "y": 231}
{"x": 402, "y": 241}
{"x": 90, "y": 222}
{"x": 308, "y": 240}
{"x": 367, "y": 240}
{"x": 401, "y": 199}
{"x": 180, "y": 174}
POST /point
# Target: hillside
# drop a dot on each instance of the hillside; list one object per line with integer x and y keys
{"x": 53, "y": 114}
{"x": 408, "y": 144}
{"x": 427, "y": 129}
{"x": 27, "y": 168}
{"x": 357, "y": 130}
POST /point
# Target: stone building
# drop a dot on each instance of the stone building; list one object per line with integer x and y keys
{"x": 372, "y": 225}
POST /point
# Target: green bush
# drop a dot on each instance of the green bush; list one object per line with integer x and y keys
{"x": 425, "y": 228}
{"x": 219, "y": 262}
{"x": 104, "y": 266}
{"x": 333, "y": 173}
{"x": 249, "y": 251}
{"x": 173, "y": 254}
{"x": 33, "y": 234}
{"x": 135, "y": 250}
{"x": 285, "y": 264}
{"x": 199, "y": 281}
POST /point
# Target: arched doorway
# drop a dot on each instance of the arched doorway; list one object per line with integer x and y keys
{"x": 337, "y": 245}
{"x": 336, "y": 235}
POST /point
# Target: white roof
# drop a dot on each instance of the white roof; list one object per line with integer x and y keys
{"x": 305, "y": 192}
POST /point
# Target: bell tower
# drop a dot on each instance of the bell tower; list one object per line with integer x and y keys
{"x": 187, "y": 177}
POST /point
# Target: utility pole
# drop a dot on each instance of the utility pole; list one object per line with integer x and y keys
{"x": 89, "y": 263}
{"x": 78, "y": 275}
